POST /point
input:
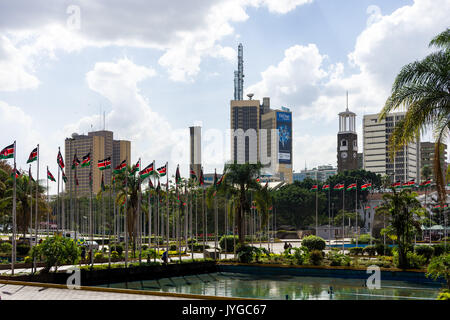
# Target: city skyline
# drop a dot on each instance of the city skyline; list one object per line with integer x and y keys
{"x": 58, "y": 81}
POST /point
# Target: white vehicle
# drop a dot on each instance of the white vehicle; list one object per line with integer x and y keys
{"x": 95, "y": 245}
{"x": 69, "y": 234}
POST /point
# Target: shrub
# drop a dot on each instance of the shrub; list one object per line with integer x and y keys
{"x": 356, "y": 251}
{"x": 229, "y": 240}
{"x": 173, "y": 247}
{"x": 314, "y": 243}
{"x": 440, "y": 267}
{"x": 414, "y": 260}
{"x": 364, "y": 239}
{"x": 245, "y": 253}
{"x": 22, "y": 249}
{"x": 300, "y": 255}
{"x": 440, "y": 249}
{"x": 57, "y": 251}
{"x": 338, "y": 259}
{"x": 118, "y": 248}
{"x": 426, "y": 251}
{"x": 315, "y": 257}
{"x": 259, "y": 252}
{"x": 28, "y": 260}
{"x": 114, "y": 254}
{"x": 152, "y": 253}
{"x": 444, "y": 295}
{"x": 98, "y": 256}
{"x": 5, "y": 247}
{"x": 199, "y": 247}
{"x": 370, "y": 250}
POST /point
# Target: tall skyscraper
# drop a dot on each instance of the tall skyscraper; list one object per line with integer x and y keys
{"x": 427, "y": 156}
{"x": 239, "y": 75}
{"x": 406, "y": 164}
{"x": 101, "y": 145}
{"x": 347, "y": 141}
{"x": 279, "y": 148}
{"x": 195, "y": 162}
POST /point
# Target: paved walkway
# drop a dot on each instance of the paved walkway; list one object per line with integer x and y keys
{"x": 20, "y": 292}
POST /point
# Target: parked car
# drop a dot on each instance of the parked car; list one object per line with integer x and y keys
{"x": 95, "y": 245}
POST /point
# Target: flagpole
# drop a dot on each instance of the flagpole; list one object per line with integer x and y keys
{"x": 36, "y": 206}
{"x": 58, "y": 214}
{"x": 48, "y": 212}
{"x": 125, "y": 219}
{"x": 216, "y": 216}
{"x": 191, "y": 220}
{"x": 203, "y": 214}
{"x": 138, "y": 222}
{"x": 356, "y": 213}
{"x": 76, "y": 213}
{"x": 91, "y": 178}
{"x": 157, "y": 226}
{"x": 343, "y": 219}
{"x": 329, "y": 217}
{"x": 109, "y": 215}
{"x": 31, "y": 207}
{"x": 13, "y": 253}
{"x": 317, "y": 204}
{"x": 167, "y": 207}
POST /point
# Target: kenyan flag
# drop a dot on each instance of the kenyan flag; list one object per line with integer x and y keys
{"x": 17, "y": 174}
{"x": 135, "y": 168}
{"x": 397, "y": 185}
{"x": 437, "y": 206}
{"x": 339, "y": 186}
{"x": 64, "y": 177}
{"x": 223, "y": 176}
{"x": 408, "y": 184}
{"x": 192, "y": 174}
{"x": 148, "y": 170}
{"x": 366, "y": 186}
{"x": 150, "y": 184}
{"x": 158, "y": 188}
{"x": 29, "y": 174}
{"x": 33, "y": 156}
{"x": 367, "y": 207}
{"x": 50, "y": 176}
{"x": 75, "y": 162}
{"x": 121, "y": 167}
{"x": 86, "y": 160}
{"x": 314, "y": 188}
{"x": 7, "y": 152}
{"x": 104, "y": 164}
{"x": 162, "y": 171}
{"x": 426, "y": 183}
{"x": 351, "y": 187}
{"x": 326, "y": 187}
{"x": 177, "y": 175}
{"x": 202, "y": 179}
{"x": 60, "y": 160}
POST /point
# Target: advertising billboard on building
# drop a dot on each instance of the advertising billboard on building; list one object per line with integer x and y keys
{"x": 284, "y": 126}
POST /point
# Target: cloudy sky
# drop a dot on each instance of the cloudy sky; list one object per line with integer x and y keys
{"x": 157, "y": 67}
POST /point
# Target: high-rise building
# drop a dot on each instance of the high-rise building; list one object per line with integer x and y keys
{"x": 195, "y": 162}
{"x": 101, "y": 145}
{"x": 347, "y": 141}
{"x": 427, "y": 156}
{"x": 278, "y": 149}
{"x": 321, "y": 173}
{"x": 405, "y": 165}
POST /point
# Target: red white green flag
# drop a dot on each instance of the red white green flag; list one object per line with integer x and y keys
{"x": 17, "y": 173}
{"x": 339, "y": 186}
{"x": 314, "y": 188}
{"x": 7, "y": 152}
{"x": 60, "y": 161}
{"x": 86, "y": 160}
{"x": 33, "y": 156}
{"x": 192, "y": 174}
{"x": 50, "y": 176}
{"x": 177, "y": 175}
{"x": 326, "y": 187}
{"x": 104, "y": 164}
{"x": 351, "y": 187}
{"x": 29, "y": 174}
{"x": 148, "y": 170}
{"x": 201, "y": 180}
{"x": 366, "y": 186}
{"x": 162, "y": 170}
{"x": 75, "y": 162}
{"x": 397, "y": 185}
{"x": 135, "y": 168}
{"x": 426, "y": 183}
{"x": 367, "y": 207}
{"x": 64, "y": 177}
{"x": 121, "y": 167}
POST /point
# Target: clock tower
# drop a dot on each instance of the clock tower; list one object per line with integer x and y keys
{"x": 347, "y": 141}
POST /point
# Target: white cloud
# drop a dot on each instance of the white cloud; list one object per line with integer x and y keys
{"x": 185, "y": 31}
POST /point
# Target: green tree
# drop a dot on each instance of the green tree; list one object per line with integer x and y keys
{"x": 401, "y": 207}
{"x": 423, "y": 89}
{"x": 440, "y": 267}
{"x": 56, "y": 251}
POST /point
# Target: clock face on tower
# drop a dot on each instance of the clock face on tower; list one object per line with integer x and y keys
{"x": 344, "y": 155}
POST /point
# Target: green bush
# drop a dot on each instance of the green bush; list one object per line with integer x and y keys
{"x": 315, "y": 257}
{"x": 338, "y": 259}
{"x": 199, "y": 247}
{"x": 98, "y": 256}
{"x": 364, "y": 239}
{"x": 118, "y": 248}
{"x": 260, "y": 252}
{"x": 22, "y": 249}
{"x": 229, "y": 240}
{"x": 314, "y": 243}
{"x": 173, "y": 247}
{"x": 5, "y": 247}
{"x": 440, "y": 267}
{"x": 440, "y": 249}
{"x": 114, "y": 254}
{"x": 383, "y": 250}
{"x": 370, "y": 250}
{"x": 28, "y": 260}
{"x": 153, "y": 254}
{"x": 444, "y": 295}
{"x": 356, "y": 251}
{"x": 426, "y": 251}
{"x": 300, "y": 255}
{"x": 245, "y": 253}
{"x": 56, "y": 251}
{"x": 414, "y": 260}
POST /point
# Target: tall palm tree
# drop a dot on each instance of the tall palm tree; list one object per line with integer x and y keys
{"x": 401, "y": 208}
{"x": 423, "y": 89}
{"x": 239, "y": 181}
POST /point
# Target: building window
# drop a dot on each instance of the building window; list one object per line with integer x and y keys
{"x": 344, "y": 143}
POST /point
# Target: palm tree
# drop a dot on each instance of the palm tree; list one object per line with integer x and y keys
{"x": 23, "y": 198}
{"x": 423, "y": 89}
{"x": 239, "y": 181}
{"x": 401, "y": 208}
